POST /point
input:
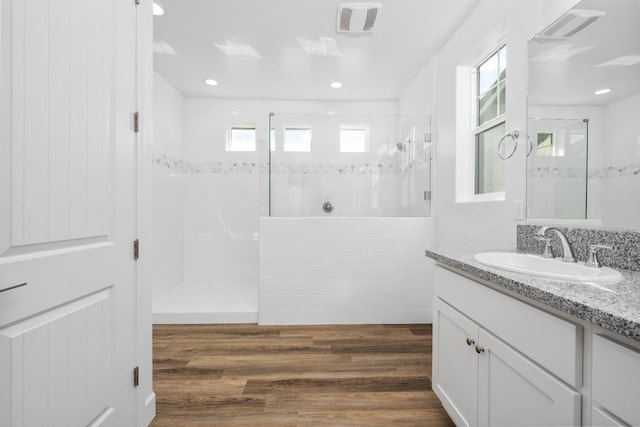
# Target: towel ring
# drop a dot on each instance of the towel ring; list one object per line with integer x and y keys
{"x": 514, "y": 135}
{"x": 530, "y": 145}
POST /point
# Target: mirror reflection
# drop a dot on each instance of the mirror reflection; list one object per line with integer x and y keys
{"x": 584, "y": 116}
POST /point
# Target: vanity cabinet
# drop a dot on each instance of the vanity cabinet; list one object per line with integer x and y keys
{"x": 498, "y": 361}
{"x": 616, "y": 383}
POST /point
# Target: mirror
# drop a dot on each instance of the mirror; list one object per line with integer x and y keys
{"x": 583, "y": 161}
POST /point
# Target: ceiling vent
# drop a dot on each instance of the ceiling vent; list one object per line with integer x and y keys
{"x": 570, "y": 24}
{"x": 357, "y": 17}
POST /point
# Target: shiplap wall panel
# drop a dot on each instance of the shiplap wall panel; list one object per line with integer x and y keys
{"x": 95, "y": 114}
{"x": 36, "y": 129}
{"x": 59, "y": 362}
{"x": 78, "y": 125}
{"x": 17, "y": 123}
{"x": 59, "y": 377}
{"x": 62, "y": 80}
{"x": 95, "y": 361}
{"x": 59, "y": 82}
{"x": 35, "y": 375}
{"x": 78, "y": 357}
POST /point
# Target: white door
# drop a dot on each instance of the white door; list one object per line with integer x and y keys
{"x": 513, "y": 391}
{"x": 455, "y": 363}
{"x": 67, "y": 217}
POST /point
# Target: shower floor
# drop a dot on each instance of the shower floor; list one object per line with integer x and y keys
{"x": 193, "y": 303}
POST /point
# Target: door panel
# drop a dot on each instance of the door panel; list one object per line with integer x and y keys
{"x": 67, "y": 212}
{"x": 515, "y": 391}
{"x": 62, "y": 76}
{"x": 63, "y": 354}
{"x": 455, "y": 363}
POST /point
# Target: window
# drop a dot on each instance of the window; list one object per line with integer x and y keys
{"x": 354, "y": 139}
{"x": 297, "y": 139}
{"x": 272, "y": 139}
{"x": 241, "y": 138}
{"x": 544, "y": 144}
{"x": 490, "y": 109}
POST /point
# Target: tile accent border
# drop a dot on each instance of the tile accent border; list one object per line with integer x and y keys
{"x": 625, "y": 254}
{"x": 631, "y": 169}
{"x": 379, "y": 168}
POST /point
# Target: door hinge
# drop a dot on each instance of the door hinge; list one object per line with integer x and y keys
{"x": 136, "y": 121}
{"x": 136, "y": 249}
{"x": 136, "y": 376}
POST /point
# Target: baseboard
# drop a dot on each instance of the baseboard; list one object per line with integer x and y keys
{"x": 149, "y": 410}
{"x": 200, "y": 318}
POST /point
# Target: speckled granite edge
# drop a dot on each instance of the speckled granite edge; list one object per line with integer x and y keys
{"x": 625, "y": 254}
{"x": 616, "y": 312}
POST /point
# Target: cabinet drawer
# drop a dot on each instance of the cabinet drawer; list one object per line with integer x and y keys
{"x": 550, "y": 341}
{"x": 616, "y": 379}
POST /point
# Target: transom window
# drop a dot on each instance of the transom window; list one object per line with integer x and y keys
{"x": 354, "y": 139}
{"x": 297, "y": 138}
{"x": 241, "y": 138}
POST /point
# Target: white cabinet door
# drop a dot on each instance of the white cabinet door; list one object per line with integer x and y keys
{"x": 67, "y": 217}
{"x": 616, "y": 379}
{"x": 515, "y": 391}
{"x": 455, "y": 363}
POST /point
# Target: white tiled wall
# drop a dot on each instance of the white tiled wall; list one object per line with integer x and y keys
{"x": 620, "y": 175}
{"x": 168, "y": 217}
{"x": 345, "y": 270}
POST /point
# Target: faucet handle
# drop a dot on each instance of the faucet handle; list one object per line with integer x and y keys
{"x": 547, "y": 253}
{"x": 593, "y": 255}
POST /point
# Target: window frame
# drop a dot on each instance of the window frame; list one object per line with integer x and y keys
{"x": 241, "y": 126}
{"x": 478, "y": 129}
{"x": 354, "y": 127}
{"x": 296, "y": 127}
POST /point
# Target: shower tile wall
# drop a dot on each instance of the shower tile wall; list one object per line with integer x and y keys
{"x": 168, "y": 217}
{"x": 345, "y": 270}
{"x": 620, "y": 172}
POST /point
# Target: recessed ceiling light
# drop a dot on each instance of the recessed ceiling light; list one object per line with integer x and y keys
{"x": 602, "y": 91}
{"x": 157, "y": 9}
{"x": 336, "y": 85}
{"x": 211, "y": 82}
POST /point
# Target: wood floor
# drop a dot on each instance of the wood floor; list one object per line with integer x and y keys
{"x": 248, "y": 375}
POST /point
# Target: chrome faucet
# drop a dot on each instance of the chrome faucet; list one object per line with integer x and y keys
{"x": 567, "y": 252}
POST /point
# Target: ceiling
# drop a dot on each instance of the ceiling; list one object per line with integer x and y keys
{"x": 290, "y": 49}
{"x": 605, "y": 54}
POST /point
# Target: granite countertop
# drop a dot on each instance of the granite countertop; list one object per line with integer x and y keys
{"x": 613, "y": 307}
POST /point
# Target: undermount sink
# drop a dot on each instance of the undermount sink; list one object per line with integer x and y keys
{"x": 536, "y": 265}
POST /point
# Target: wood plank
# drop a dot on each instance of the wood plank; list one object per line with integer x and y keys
{"x": 355, "y": 375}
{"x": 333, "y": 385}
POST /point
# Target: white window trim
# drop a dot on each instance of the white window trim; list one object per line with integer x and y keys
{"x": 296, "y": 127}
{"x": 241, "y": 126}
{"x": 466, "y": 127}
{"x": 365, "y": 128}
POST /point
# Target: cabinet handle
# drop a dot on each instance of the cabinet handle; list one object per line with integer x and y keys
{"x": 13, "y": 287}
{"x": 479, "y": 349}
{"x": 470, "y": 341}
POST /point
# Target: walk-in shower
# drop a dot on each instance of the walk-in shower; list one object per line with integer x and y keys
{"x": 349, "y": 206}
{"x": 252, "y": 209}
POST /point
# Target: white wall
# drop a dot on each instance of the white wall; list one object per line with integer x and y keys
{"x": 474, "y": 226}
{"x": 620, "y": 175}
{"x": 345, "y": 270}
{"x": 168, "y": 218}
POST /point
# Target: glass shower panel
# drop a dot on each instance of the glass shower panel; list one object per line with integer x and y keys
{"x": 362, "y": 165}
{"x": 557, "y": 168}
